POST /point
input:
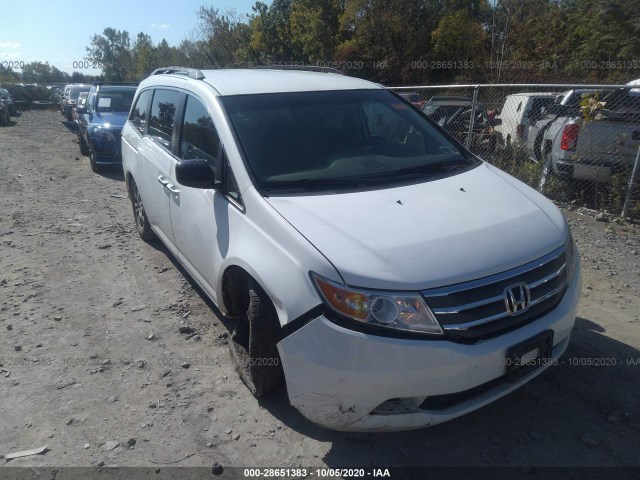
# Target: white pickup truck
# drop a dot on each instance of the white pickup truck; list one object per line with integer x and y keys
{"x": 594, "y": 149}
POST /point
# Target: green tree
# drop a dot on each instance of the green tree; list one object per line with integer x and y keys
{"x": 221, "y": 37}
{"x": 315, "y": 28}
{"x": 143, "y": 54}
{"x": 112, "y": 51}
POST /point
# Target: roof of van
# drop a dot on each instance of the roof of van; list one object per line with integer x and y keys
{"x": 251, "y": 81}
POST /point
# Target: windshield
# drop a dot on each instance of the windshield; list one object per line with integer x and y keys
{"x": 115, "y": 100}
{"x": 338, "y": 139}
{"x": 74, "y": 92}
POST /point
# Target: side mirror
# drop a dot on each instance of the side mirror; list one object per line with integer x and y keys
{"x": 496, "y": 121}
{"x": 195, "y": 174}
{"x": 81, "y": 110}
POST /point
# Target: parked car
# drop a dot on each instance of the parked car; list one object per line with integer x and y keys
{"x": 389, "y": 276}
{"x": 592, "y": 150}
{"x": 517, "y": 113}
{"x": 82, "y": 98}
{"x": 567, "y": 104}
{"x": 454, "y": 115}
{"x": 6, "y": 97}
{"x": 414, "y": 98}
{"x": 70, "y": 99}
{"x": 5, "y": 116}
{"x": 100, "y": 123}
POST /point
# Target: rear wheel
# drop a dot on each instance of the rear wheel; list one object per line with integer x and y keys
{"x": 253, "y": 344}
{"x": 546, "y": 174}
{"x": 140, "y": 216}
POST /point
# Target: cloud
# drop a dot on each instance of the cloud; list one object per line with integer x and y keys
{"x": 161, "y": 26}
{"x": 9, "y": 55}
{"x": 10, "y": 45}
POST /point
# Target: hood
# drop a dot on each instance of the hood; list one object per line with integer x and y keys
{"x": 437, "y": 233}
{"x": 115, "y": 120}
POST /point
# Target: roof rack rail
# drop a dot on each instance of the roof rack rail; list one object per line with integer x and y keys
{"x": 106, "y": 83}
{"x": 190, "y": 72}
{"x": 307, "y": 68}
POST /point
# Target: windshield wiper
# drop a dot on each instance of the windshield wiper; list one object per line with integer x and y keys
{"x": 434, "y": 167}
{"x": 320, "y": 182}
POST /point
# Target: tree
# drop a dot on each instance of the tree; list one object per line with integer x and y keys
{"x": 112, "y": 51}
{"x": 222, "y": 37}
{"x": 7, "y": 75}
{"x": 315, "y": 28}
{"x": 143, "y": 55}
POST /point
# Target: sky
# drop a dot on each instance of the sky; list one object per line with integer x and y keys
{"x": 57, "y": 31}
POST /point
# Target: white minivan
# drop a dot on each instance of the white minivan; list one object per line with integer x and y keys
{"x": 391, "y": 279}
{"x": 517, "y": 113}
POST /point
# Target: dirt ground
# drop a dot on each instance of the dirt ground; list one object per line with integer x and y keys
{"x": 94, "y": 364}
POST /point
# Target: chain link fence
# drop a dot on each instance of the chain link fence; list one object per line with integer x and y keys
{"x": 578, "y": 144}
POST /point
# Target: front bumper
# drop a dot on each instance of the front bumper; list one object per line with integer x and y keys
{"x": 337, "y": 377}
{"x": 107, "y": 153}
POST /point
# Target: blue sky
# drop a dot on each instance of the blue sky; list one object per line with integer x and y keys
{"x": 57, "y": 31}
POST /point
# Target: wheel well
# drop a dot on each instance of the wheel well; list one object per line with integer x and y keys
{"x": 235, "y": 290}
{"x": 127, "y": 181}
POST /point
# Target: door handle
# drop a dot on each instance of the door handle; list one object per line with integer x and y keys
{"x": 164, "y": 181}
{"x": 172, "y": 188}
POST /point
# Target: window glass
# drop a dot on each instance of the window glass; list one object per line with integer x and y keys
{"x": 139, "y": 115}
{"x": 338, "y": 139}
{"x": 90, "y": 98}
{"x": 162, "y": 116}
{"x": 114, "y": 100}
{"x": 230, "y": 184}
{"x": 199, "y": 137}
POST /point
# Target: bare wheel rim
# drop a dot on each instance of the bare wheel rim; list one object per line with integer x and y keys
{"x": 138, "y": 207}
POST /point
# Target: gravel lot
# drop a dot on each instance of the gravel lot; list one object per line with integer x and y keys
{"x": 92, "y": 349}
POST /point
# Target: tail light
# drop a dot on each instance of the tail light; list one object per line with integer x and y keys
{"x": 569, "y": 137}
{"x": 520, "y": 130}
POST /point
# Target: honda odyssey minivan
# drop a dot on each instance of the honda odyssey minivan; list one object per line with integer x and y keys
{"x": 387, "y": 276}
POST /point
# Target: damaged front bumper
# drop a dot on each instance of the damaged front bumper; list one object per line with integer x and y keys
{"x": 352, "y": 381}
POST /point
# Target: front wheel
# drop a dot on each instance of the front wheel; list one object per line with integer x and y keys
{"x": 84, "y": 148}
{"x": 253, "y": 344}
{"x": 93, "y": 161}
{"x": 140, "y": 216}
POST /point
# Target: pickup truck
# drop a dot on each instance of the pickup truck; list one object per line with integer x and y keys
{"x": 566, "y": 104}
{"x": 574, "y": 148}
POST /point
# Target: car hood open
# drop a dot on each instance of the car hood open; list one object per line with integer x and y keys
{"x": 431, "y": 234}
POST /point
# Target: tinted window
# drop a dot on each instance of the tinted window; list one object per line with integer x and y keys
{"x": 230, "y": 184}
{"x": 199, "y": 136}
{"x": 162, "y": 116}
{"x": 336, "y": 139}
{"x": 110, "y": 100}
{"x": 139, "y": 113}
{"x": 75, "y": 91}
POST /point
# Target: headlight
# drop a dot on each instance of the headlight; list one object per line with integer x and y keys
{"x": 571, "y": 254}
{"x": 103, "y": 135}
{"x": 393, "y": 310}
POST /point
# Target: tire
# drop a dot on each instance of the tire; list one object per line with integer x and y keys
{"x": 139, "y": 215}
{"x": 84, "y": 148}
{"x": 92, "y": 161}
{"x": 253, "y": 344}
{"x": 547, "y": 173}
{"x": 5, "y": 117}
{"x": 69, "y": 115}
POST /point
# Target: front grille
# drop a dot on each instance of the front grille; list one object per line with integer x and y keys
{"x": 477, "y": 309}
